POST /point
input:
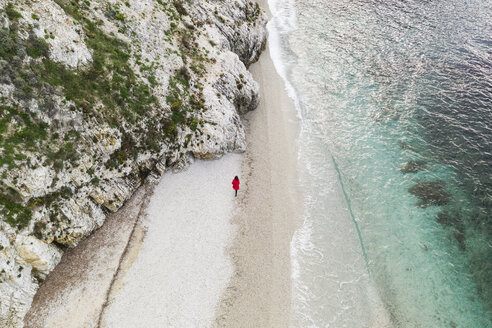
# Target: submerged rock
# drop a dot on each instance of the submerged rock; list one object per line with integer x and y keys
{"x": 430, "y": 193}
{"x": 453, "y": 222}
{"x": 460, "y": 239}
{"x": 413, "y": 167}
{"x": 445, "y": 219}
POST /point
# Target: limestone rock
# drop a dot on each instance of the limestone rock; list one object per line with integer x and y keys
{"x": 39, "y": 255}
{"x": 242, "y": 24}
{"x": 65, "y": 37}
{"x": 113, "y": 194}
{"x": 34, "y": 181}
{"x": 17, "y": 286}
{"x": 6, "y": 90}
{"x": 186, "y": 60}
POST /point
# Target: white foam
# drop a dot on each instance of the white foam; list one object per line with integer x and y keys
{"x": 337, "y": 270}
{"x": 284, "y": 14}
{"x": 182, "y": 268}
{"x": 283, "y": 22}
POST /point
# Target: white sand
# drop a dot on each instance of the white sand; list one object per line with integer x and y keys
{"x": 183, "y": 267}
{"x": 259, "y": 294}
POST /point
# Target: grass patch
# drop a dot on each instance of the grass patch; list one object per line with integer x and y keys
{"x": 12, "y": 14}
{"x": 8, "y": 43}
{"x": 37, "y": 47}
{"x": 107, "y": 91}
{"x": 12, "y": 210}
{"x": 19, "y": 132}
{"x": 109, "y": 80}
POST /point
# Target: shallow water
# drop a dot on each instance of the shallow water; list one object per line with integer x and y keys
{"x": 381, "y": 86}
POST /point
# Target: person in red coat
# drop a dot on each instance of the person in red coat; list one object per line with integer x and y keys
{"x": 235, "y": 184}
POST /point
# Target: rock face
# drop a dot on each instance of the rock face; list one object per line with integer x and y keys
{"x": 94, "y": 95}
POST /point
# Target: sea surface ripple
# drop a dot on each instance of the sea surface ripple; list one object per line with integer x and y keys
{"x": 395, "y": 103}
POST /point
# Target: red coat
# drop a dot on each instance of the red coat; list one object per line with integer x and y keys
{"x": 235, "y": 184}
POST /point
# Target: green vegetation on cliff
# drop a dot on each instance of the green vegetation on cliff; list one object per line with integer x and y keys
{"x": 107, "y": 91}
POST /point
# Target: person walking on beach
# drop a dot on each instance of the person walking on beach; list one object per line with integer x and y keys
{"x": 235, "y": 184}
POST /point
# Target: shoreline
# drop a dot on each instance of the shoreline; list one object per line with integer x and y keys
{"x": 101, "y": 280}
{"x": 267, "y": 209}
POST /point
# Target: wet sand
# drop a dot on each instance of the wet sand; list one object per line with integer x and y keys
{"x": 259, "y": 294}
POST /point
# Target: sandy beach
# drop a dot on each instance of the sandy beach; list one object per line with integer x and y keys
{"x": 190, "y": 254}
{"x": 181, "y": 267}
{"x": 75, "y": 293}
{"x": 160, "y": 261}
{"x": 259, "y": 294}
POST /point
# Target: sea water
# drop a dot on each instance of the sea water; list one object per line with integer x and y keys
{"x": 395, "y": 153}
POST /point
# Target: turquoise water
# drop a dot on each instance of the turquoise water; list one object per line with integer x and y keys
{"x": 395, "y": 149}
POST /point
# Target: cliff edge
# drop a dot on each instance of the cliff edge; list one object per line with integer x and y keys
{"x": 95, "y": 95}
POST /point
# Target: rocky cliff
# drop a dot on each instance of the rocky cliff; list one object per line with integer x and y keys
{"x": 94, "y": 95}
